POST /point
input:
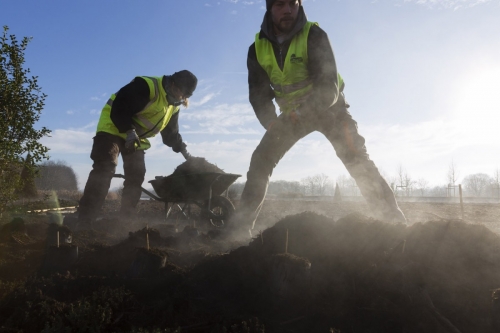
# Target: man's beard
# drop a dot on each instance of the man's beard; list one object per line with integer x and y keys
{"x": 285, "y": 26}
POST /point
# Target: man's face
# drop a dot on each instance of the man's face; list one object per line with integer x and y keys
{"x": 284, "y": 14}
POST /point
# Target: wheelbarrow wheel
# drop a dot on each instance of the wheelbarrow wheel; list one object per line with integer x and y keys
{"x": 220, "y": 211}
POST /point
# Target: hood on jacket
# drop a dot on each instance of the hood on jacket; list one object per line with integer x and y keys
{"x": 267, "y": 25}
{"x": 269, "y": 3}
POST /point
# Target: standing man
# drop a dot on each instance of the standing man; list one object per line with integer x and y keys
{"x": 138, "y": 111}
{"x": 292, "y": 62}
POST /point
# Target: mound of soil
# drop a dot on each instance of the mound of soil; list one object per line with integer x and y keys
{"x": 191, "y": 180}
{"x": 196, "y": 165}
{"x": 307, "y": 273}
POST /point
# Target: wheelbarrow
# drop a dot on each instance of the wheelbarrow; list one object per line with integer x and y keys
{"x": 205, "y": 190}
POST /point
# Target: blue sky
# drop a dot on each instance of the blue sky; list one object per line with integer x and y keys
{"x": 422, "y": 78}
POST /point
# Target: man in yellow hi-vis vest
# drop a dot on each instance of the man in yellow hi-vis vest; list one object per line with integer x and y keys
{"x": 139, "y": 110}
{"x": 292, "y": 62}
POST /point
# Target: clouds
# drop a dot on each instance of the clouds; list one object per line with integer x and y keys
{"x": 72, "y": 141}
{"x": 205, "y": 99}
{"x": 449, "y": 4}
{"x": 99, "y": 98}
{"x": 221, "y": 119}
{"x": 453, "y": 4}
{"x": 244, "y": 2}
{"x": 425, "y": 149}
{"x": 432, "y": 74}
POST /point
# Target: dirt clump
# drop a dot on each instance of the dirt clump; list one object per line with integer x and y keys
{"x": 195, "y": 165}
{"x": 190, "y": 180}
{"x": 306, "y": 273}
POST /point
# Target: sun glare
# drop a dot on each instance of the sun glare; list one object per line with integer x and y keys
{"x": 476, "y": 101}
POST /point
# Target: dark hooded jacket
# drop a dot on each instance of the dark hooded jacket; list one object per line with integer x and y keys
{"x": 321, "y": 66}
{"x": 131, "y": 99}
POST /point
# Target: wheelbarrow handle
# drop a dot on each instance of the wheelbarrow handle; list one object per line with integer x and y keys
{"x": 186, "y": 155}
{"x": 118, "y": 175}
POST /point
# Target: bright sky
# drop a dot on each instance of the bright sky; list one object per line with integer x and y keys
{"x": 422, "y": 78}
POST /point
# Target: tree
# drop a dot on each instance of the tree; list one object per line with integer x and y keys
{"x": 28, "y": 190}
{"x": 438, "y": 191}
{"x": 21, "y": 103}
{"x": 422, "y": 185}
{"x": 347, "y": 185}
{"x": 405, "y": 181}
{"x": 337, "y": 196}
{"x": 453, "y": 174}
{"x": 317, "y": 184}
{"x": 477, "y": 183}
{"x": 322, "y": 183}
{"x": 452, "y": 178}
{"x": 56, "y": 176}
{"x": 308, "y": 184}
{"x": 496, "y": 183}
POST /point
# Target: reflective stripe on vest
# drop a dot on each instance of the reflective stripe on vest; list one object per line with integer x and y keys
{"x": 151, "y": 120}
{"x": 287, "y": 89}
{"x": 292, "y": 85}
{"x": 148, "y": 127}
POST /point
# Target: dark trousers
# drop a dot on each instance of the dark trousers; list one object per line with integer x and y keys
{"x": 105, "y": 151}
{"x": 337, "y": 125}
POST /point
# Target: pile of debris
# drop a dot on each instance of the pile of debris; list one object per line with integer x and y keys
{"x": 307, "y": 273}
{"x": 196, "y": 165}
{"x": 186, "y": 180}
{"x": 357, "y": 274}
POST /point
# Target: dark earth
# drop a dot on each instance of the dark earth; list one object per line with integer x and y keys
{"x": 316, "y": 266}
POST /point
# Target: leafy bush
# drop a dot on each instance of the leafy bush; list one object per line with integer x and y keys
{"x": 21, "y": 103}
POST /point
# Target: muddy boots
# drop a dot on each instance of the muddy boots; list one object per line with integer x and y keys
{"x": 94, "y": 195}
{"x": 130, "y": 198}
{"x": 380, "y": 198}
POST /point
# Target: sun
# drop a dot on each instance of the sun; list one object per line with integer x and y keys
{"x": 476, "y": 99}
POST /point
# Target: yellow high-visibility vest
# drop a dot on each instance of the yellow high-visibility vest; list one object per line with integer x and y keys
{"x": 292, "y": 85}
{"x": 149, "y": 121}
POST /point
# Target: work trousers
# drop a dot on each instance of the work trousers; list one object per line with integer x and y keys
{"x": 105, "y": 151}
{"x": 337, "y": 125}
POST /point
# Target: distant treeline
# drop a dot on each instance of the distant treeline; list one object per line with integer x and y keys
{"x": 56, "y": 176}
{"x": 474, "y": 185}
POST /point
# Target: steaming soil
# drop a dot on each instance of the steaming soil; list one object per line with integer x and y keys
{"x": 335, "y": 270}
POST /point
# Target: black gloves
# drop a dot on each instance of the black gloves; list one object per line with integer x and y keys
{"x": 131, "y": 139}
{"x": 186, "y": 155}
{"x": 181, "y": 148}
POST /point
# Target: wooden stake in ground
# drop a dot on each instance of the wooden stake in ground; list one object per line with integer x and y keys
{"x": 58, "y": 239}
{"x": 461, "y": 200}
{"x": 286, "y": 242}
{"x": 147, "y": 241}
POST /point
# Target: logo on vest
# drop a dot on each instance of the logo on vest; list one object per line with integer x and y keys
{"x": 296, "y": 60}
